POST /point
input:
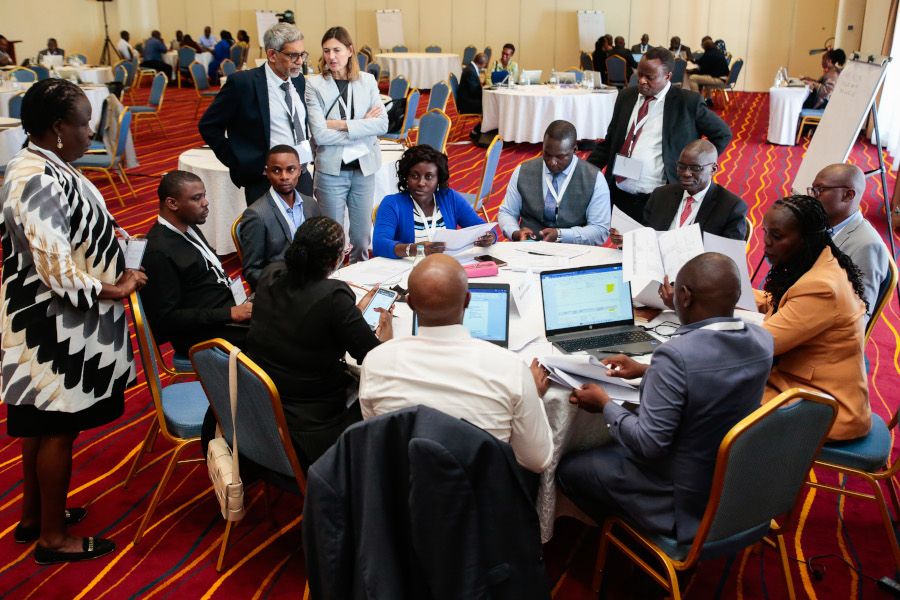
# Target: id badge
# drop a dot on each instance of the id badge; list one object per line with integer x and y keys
{"x": 134, "y": 252}
{"x": 237, "y": 291}
{"x": 305, "y": 151}
{"x": 627, "y": 167}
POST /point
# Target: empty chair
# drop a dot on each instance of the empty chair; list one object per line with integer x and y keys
{"x": 399, "y": 87}
{"x": 363, "y": 61}
{"x": 154, "y": 103}
{"x": 412, "y": 105}
{"x": 885, "y": 291}
{"x": 678, "y": 72}
{"x": 434, "y": 128}
{"x": 23, "y": 75}
{"x": 201, "y": 85}
{"x": 437, "y": 99}
{"x": 375, "y": 70}
{"x": 615, "y": 71}
{"x": 633, "y": 80}
{"x": 186, "y": 56}
{"x": 491, "y": 160}
{"x": 469, "y": 55}
{"x": 487, "y": 54}
{"x": 227, "y": 68}
{"x": 809, "y": 117}
{"x": 15, "y": 106}
{"x": 106, "y": 163}
{"x": 433, "y": 49}
{"x": 237, "y": 56}
{"x": 399, "y": 49}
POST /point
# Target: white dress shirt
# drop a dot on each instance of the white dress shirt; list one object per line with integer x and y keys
{"x": 293, "y": 214}
{"x": 446, "y": 369}
{"x": 648, "y": 148}
{"x": 125, "y": 50}
{"x": 695, "y": 208}
{"x": 281, "y": 126}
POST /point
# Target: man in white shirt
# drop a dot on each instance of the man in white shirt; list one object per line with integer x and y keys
{"x": 444, "y": 368}
{"x": 124, "y": 47}
{"x": 556, "y": 197}
{"x": 207, "y": 40}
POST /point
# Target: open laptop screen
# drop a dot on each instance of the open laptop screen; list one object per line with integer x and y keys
{"x": 487, "y": 317}
{"x": 585, "y": 298}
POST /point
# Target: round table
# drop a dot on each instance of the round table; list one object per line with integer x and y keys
{"x": 522, "y": 113}
{"x": 785, "y": 104}
{"x": 7, "y": 91}
{"x": 96, "y": 94}
{"x": 171, "y": 58}
{"x": 96, "y": 75}
{"x": 11, "y": 140}
{"x": 421, "y": 69}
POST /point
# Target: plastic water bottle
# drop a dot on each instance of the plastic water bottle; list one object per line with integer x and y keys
{"x": 420, "y": 254}
{"x": 553, "y": 79}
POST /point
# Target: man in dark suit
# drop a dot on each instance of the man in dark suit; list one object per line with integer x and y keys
{"x": 643, "y": 46}
{"x": 261, "y": 108}
{"x": 469, "y": 94}
{"x": 651, "y": 124}
{"x": 269, "y": 224}
{"x": 696, "y": 199}
{"x": 678, "y": 50}
{"x": 659, "y": 473}
{"x": 619, "y": 49}
{"x": 712, "y": 67}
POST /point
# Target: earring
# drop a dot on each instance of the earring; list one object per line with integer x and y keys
{"x": 59, "y": 142}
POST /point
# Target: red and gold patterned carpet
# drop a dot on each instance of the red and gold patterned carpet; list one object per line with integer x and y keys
{"x": 177, "y": 555}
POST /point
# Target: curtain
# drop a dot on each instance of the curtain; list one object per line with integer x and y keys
{"x": 889, "y": 113}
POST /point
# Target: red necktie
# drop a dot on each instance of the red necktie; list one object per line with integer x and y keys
{"x": 632, "y": 137}
{"x": 688, "y": 209}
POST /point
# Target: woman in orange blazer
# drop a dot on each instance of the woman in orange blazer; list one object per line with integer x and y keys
{"x": 814, "y": 310}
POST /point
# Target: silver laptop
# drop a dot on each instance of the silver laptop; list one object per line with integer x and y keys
{"x": 589, "y": 309}
{"x": 532, "y": 77}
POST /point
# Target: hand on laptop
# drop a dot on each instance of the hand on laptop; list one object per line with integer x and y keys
{"x": 624, "y": 367}
{"x": 541, "y": 377}
{"x": 590, "y": 397}
{"x": 667, "y": 293}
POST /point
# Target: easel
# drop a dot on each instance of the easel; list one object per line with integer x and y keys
{"x": 109, "y": 50}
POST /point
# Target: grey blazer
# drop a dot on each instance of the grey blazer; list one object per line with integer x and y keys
{"x": 321, "y": 96}
{"x": 865, "y": 247}
{"x": 264, "y": 234}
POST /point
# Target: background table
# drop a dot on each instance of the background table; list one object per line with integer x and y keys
{"x": 7, "y": 91}
{"x": 522, "y": 114}
{"x": 11, "y": 140}
{"x": 785, "y": 104}
{"x": 421, "y": 69}
{"x": 96, "y": 75}
{"x": 171, "y": 57}
{"x": 96, "y": 94}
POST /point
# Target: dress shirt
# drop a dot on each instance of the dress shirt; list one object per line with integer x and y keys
{"x": 695, "y": 208}
{"x": 855, "y": 217}
{"x": 281, "y": 126}
{"x": 125, "y": 50}
{"x": 425, "y": 226}
{"x": 207, "y": 42}
{"x": 443, "y": 368}
{"x": 648, "y": 148}
{"x": 292, "y": 214}
{"x": 598, "y": 210}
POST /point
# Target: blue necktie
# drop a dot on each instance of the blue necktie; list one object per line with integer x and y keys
{"x": 550, "y": 207}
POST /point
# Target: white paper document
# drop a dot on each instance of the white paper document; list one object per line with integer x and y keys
{"x": 583, "y": 365}
{"x": 621, "y": 222}
{"x": 736, "y": 250}
{"x": 650, "y": 255}
{"x": 379, "y": 270}
{"x": 457, "y": 240}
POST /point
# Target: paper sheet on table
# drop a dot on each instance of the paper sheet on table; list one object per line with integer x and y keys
{"x": 736, "y": 250}
{"x": 623, "y": 223}
{"x": 678, "y": 246}
{"x": 558, "y": 250}
{"x": 523, "y": 263}
{"x": 379, "y": 270}
{"x": 584, "y": 366}
{"x": 616, "y": 393}
{"x": 457, "y": 240}
{"x": 640, "y": 255}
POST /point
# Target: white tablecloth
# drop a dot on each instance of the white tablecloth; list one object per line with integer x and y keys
{"x": 785, "y": 104}
{"x": 11, "y": 140}
{"x": 522, "y": 114}
{"x": 96, "y": 94}
{"x": 96, "y": 75}
{"x": 204, "y": 58}
{"x": 421, "y": 69}
{"x": 227, "y": 202}
{"x": 7, "y": 91}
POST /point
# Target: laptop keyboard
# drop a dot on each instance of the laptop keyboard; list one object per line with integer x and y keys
{"x": 605, "y": 341}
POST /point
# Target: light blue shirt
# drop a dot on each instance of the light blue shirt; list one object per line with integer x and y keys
{"x": 294, "y": 214}
{"x": 854, "y": 218}
{"x": 207, "y": 42}
{"x": 598, "y": 211}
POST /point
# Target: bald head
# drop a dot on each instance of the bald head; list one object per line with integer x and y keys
{"x": 696, "y": 165}
{"x": 439, "y": 291}
{"x": 480, "y": 60}
{"x": 839, "y": 188}
{"x": 707, "y": 286}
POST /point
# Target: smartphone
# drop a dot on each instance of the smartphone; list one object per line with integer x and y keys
{"x": 382, "y": 299}
{"x": 489, "y": 258}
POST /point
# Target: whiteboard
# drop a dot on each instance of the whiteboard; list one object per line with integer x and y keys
{"x": 264, "y": 21}
{"x": 390, "y": 28}
{"x": 591, "y": 26}
{"x": 844, "y": 116}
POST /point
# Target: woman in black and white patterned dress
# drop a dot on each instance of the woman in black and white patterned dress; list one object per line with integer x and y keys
{"x": 66, "y": 354}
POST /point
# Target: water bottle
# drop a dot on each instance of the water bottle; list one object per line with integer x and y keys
{"x": 553, "y": 78}
{"x": 420, "y": 254}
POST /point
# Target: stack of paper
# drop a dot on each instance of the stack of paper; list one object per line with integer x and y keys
{"x": 379, "y": 270}
{"x": 460, "y": 240}
{"x": 575, "y": 370}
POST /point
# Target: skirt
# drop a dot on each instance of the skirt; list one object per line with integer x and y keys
{"x": 30, "y": 421}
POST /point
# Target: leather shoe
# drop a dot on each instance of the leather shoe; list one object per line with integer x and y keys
{"x": 26, "y": 535}
{"x": 93, "y": 548}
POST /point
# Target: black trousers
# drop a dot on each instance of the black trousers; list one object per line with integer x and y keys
{"x": 631, "y": 204}
{"x": 158, "y": 65}
{"x": 254, "y": 191}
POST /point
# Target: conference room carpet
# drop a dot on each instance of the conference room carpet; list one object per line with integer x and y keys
{"x": 177, "y": 556}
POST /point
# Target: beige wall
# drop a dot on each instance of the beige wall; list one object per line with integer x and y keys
{"x": 850, "y": 18}
{"x": 767, "y": 33}
{"x": 874, "y": 26}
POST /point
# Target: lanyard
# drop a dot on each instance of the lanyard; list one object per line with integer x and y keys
{"x": 565, "y": 184}
{"x": 429, "y": 229}
{"x": 212, "y": 260}
{"x": 638, "y": 128}
{"x": 342, "y": 105}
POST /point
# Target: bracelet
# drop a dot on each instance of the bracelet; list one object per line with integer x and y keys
{"x": 408, "y": 248}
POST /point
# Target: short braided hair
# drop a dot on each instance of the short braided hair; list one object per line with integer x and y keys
{"x": 47, "y": 102}
{"x": 317, "y": 245}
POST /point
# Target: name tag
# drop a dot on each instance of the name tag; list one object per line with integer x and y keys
{"x": 237, "y": 290}
{"x": 305, "y": 152}
{"x": 627, "y": 167}
{"x": 134, "y": 252}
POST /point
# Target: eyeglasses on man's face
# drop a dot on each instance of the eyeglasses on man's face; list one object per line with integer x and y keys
{"x": 295, "y": 57}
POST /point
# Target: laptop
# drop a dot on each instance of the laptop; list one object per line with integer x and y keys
{"x": 566, "y": 77}
{"x": 532, "y": 77}
{"x": 487, "y": 317}
{"x": 589, "y": 309}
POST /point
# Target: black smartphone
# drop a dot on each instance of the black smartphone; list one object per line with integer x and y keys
{"x": 489, "y": 258}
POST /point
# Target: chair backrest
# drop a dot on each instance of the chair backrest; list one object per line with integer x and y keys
{"x": 749, "y": 233}
{"x": 123, "y": 131}
{"x": 363, "y": 61}
{"x": 488, "y": 53}
{"x": 158, "y": 90}
{"x": 469, "y": 54}
{"x": 80, "y": 57}
{"x": 375, "y": 70}
{"x": 227, "y": 67}
{"x": 633, "y": 80}
{"x": 151, "y": 359}
{"x": 454, "y": 87}
{"x": 440, "y": 92}
{"x": 434, "y": 127}
{"x": 412, "y": 106}
{"x": 586, "y": 62}
{"x": 735, "y": 72}
{"x": 433, "y": 49}
{"x": 678, "y": 71}
{"x": 761, "y": 466}
{"x": 237, "y": 56}
{"x": 42, "y": 72}
{"x": 23, "y": 75}
{"x": 399, "y": 49}
{"x": 15, "y": 106}
{"x": 131, "y": 69}
{"x": 491, "y": 160}
{"x": 198, "y": 74}
{"x": 236, "y": 236}
{"x": 579, "y": 74}
{"x": 262, "y": 431}
{"x": 121, "y": 73}
{"x": 615, "y": 70}
{"x": 185, "y": 57}
{"x": 399, "y": 87}
{"x": 885, "y": 291}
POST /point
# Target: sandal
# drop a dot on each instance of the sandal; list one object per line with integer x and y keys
{"x": 26, "y": 535}
{"x": 93, "y": 548}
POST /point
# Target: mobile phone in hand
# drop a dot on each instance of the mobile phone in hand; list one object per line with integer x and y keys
{"x": 382, "y": 299}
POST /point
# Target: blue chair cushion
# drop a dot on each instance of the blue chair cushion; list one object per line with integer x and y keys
{"x": 93, "y": 160}
{"x": 184, "y": 405}
{"x": 97, "y": 145}
{"x": 142, "y": 109}
{"x": 812, "y": 112}
{"x": 182, "y": 363}
{"x": 725, "y": 547}
{"x": 868, "y": 453}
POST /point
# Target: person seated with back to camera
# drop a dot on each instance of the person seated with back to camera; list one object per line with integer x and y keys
{"x": 425, "y": 204}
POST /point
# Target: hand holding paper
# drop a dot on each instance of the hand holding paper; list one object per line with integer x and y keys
{"x": 457, "y": 240}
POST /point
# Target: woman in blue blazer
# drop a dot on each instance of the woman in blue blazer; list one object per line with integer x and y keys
{"x": 425, "y": 204}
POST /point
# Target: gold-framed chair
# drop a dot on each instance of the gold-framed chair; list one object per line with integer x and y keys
{"x": 154, "y": 103}
{"x": 23, "y": 75}
{"x": 885, "y": 292}
{"x": 748, "y": 491}
{"x": 749, "y": 234}
{"x": 434, "y": 129}
{"x": 491, "y": 161}
{"x": 107, "y": 162}
{"x": 201, "y": 85}
{"x": 236, "y": 237}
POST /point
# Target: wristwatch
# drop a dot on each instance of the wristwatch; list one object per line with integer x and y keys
{"x": 558, "y": 236}
{"x": 408, "y": 248}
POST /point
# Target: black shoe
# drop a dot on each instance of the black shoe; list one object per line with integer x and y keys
{"x": 93, "y": 548}
{"x": 26, "y": 535}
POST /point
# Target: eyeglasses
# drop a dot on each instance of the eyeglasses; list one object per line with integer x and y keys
{"x": 816, "y": 191}
{"x": 680, "y": 166}
{"x": 295, "y": 56}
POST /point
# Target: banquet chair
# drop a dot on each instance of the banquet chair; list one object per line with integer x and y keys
{"x": 469, "y": 55}
{"x": 141, "y": 72}
{"x": 106, "y": 162}
{"x": 678, "y": 72}
{"x": 434, "y": 129}
{"x": 227, "y": 68}
{"x": 579, "y": 74}
{"x": 399, "y": 49}
{"x": 201, "y": 85}
{"x": 491, "y": 160}
{"x": 363, "y": 61}
{"x": 41, "y": 71}
{"x": 615, "y": 70}
{"x": 262, "y": 431}
{"x": 180, "y": 408}
{"x": 186, "y": 57}
{"x": 79, "y": 57}
{"x": 488, "y": 53}
{"x": 23, "y": 75}
{"x": 437, "y": 99}
{"x": 749, "y": 233}
{"x": 885, "y": 291}
{"x": 726, "y": 85}
{"x": 433, "y": 49}
{"x": 131, "y": 72}
{"x": 412, "y": 105}
{"x": 633, "y": 80}
{"x": 374, "y": 70}
{"x": 236, "y": 54}
{"x": 15, "y": 105}
{"x": 398, "y": 88}
{"x": 586, "y": 62}
{"x": 236, "y": 237}
{"x": 761, "y": 466}
{"x": 809, "y": 117}
{"x": 154, "y": 103}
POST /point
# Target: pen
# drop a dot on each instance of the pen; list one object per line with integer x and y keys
{"x": 537, "y": 253}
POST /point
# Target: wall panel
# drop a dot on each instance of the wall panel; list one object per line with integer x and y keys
{"x": 650, "y": 17}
